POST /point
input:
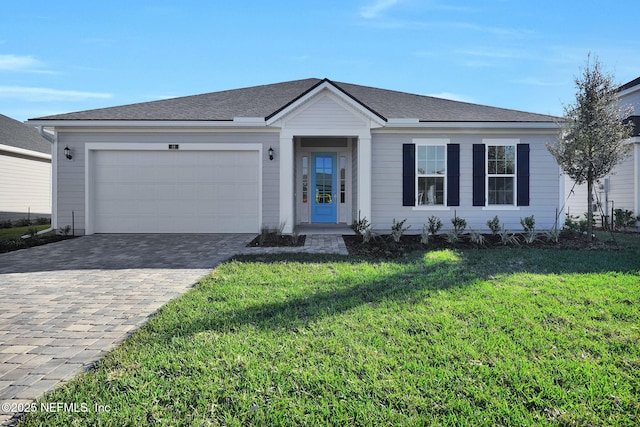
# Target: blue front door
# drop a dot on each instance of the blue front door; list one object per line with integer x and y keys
{"x": 323, "y": 188}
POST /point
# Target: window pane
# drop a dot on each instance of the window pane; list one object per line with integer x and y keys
{"x": 501, "y": 160}
{"x": 431, "y": 152}
{"x": 500, "y": 191}
{"x": 510, "y": 159}
{"x": 431, "y": 160}
{"x": 431, "y": 191}
{"x": 323, "y": 180}
{"x": 343, "y": 178}
{"x": 422, "y": 159}
{"x": 305, "y": 178}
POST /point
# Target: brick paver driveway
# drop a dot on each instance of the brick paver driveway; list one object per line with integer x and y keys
{"x": 64, "y": 305}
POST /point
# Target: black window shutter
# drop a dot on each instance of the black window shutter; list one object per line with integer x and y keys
{"x": 478, "y": 175}
{"x": 453, "y": 174}
{"x": 522, "y": 196}
{"x": 408, "y": 175}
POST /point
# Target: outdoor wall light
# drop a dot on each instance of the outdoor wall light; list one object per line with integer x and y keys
{"x": 67, "y": 153}
{"x": 270, "y": 153}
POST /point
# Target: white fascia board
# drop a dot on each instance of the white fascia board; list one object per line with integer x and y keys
{"x": 22, "y": 151}
{"x": 331, "y": 88}
{"x": 148, "y": 123}
{"x": 258, "y": 121}
{"x": 629, "y": 91}
{"x": 404, "y": 123}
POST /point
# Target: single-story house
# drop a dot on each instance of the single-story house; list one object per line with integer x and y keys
{"x": 25, "y": 172}
{"x": 300, "y": 152}
{"x": 621, "y": 188}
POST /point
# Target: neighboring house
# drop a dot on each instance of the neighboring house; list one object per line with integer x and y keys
{"x": 621, "y": 189}
{"x": 25, "y": 172}
{"x": 300, "y": 152}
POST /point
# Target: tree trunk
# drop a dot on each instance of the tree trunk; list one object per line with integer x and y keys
{"x": 590, "y": 210}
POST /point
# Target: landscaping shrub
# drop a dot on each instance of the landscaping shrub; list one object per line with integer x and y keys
{"x": 23, "y": 222}
{"x": 398, "y": 229}
{"x": 624, "y": 219}
{"x": 494, "y": 225}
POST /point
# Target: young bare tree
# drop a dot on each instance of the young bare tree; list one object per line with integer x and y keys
{"x": 593, "y": 135}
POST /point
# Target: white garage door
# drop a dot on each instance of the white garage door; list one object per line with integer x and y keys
{"x": 175, "y": 191}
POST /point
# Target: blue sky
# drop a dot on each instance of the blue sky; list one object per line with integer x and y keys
{"x": 63, "y": 56}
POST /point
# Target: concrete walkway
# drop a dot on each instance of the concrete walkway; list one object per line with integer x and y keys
{"x": 65, "y": 304}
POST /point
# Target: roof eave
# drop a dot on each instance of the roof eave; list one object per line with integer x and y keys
{"x": 417, "y": 123}
{"x": 238, "y": 122}
{"x": 628, "y": 91}
{"x": 24, "y": 152}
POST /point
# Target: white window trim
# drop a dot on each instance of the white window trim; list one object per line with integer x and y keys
{"x": 431, "y": 208}
{"x": 511, "y": 142}
{"x": 431, "y": 142}
{"x": 500, "y": 208}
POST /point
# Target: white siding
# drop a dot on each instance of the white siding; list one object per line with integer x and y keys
{"x": 325, "y": 112}
{"x": 621, "y": 186}
{"x": 623, "y": 191}
{"x": 25, "y": 186}
{"x": 575, "y": 198}
{"x": 387, "y": 185}
{"x": 71, "y": 173}
{"x": 632, "y": 99}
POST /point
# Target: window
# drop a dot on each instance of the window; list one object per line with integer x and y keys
{"x": 431, "y": 172}
{"x": 501, "y": 174}
{"x": 343, "y": 179}
{"x": 305, "y": 179}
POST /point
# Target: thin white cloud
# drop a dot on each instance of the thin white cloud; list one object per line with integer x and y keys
{"x": 452, "y": 97}
{"x": 41, "y": 94}
{"x": 374, "y": 10}
{"x": 22, "y": 63}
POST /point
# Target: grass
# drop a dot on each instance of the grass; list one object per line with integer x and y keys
{"x": 447, "y": 337}
{"x": 16, "y": 232}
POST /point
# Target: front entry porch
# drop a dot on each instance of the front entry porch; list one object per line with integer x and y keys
{"x": 325, "y": 229}
{"x": 316, "y": 171}
{"x": 325, "y": 186}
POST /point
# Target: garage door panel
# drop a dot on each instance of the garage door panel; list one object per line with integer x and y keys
{"x": 175, "y": 192}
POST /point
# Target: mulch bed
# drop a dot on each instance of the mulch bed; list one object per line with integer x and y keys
{"x": 274, "y": 240}
{"x": 18, "y": 243}
{"x": 384, "y": 246}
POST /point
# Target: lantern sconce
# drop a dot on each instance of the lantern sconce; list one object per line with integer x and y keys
{"x": 270, "y": 153}
{"x": 67, "y": 153}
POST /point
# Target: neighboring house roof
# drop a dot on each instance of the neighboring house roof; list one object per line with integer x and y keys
{"x": 267, "y": 100}
{"x": 16, "y": 134}
{"x": 632, "y": 83}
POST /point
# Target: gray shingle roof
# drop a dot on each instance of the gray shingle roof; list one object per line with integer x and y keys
{"x": 19, "y": 135}
{"x": 267, "y": 100}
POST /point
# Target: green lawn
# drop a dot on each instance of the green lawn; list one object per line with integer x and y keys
{"x": 12, "y": 233}
{"x": 475, "y": 337}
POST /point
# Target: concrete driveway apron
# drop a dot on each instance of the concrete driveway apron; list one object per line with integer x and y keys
{"x": 65, "y": 304}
